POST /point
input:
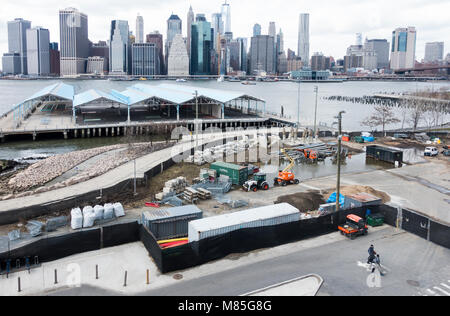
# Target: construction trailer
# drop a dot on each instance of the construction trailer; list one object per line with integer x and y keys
{"x": 237, "y": 174}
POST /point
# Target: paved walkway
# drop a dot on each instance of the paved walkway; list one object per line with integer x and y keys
{"x": 113, "y": 177}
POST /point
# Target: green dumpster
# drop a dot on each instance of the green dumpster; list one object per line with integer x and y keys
{"x": 375, "y": 220}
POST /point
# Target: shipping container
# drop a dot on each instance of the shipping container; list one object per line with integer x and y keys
{"x": 258, "y": 217}
{"x": 237, "y": 174}
{"x": 361, "y": 200}
{"x": 171, "y": 223}
{"x": 384, "y": 154}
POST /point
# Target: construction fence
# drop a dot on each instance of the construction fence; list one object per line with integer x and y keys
{"x": 55, "y": 247}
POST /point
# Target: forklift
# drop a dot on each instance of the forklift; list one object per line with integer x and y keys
{"x": 286, "y": 177}
{"x": 259, "y": 182}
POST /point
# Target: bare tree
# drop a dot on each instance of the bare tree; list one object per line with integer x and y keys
{"x": 383, "y": 116}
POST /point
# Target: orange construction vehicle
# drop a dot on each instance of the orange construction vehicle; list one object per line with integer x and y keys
{"x": 310, "y": 154}
{"x": 286, "y": 177}
{"x": 355, "y": 226}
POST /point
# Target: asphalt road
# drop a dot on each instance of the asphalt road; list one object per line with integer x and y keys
{"x": 415, "y": 268}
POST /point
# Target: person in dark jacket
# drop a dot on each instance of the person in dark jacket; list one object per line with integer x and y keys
{"x": 372, "y": 254}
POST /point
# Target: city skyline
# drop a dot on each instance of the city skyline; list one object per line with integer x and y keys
{"x": 331, "y": 38}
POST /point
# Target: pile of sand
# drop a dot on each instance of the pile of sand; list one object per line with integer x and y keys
{"x": 354, "y": 189}
{"x": 304, "y": 201}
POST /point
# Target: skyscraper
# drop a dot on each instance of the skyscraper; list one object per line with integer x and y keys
{"x": 434, "y": 52}
{"x": 17, "y": 41}
{"x": 174, "y": 27}
{"x": 144, "y": 59}
{"x": 190, "y": 20}
{"x": 101, "y": 49}
{"x": 139, "y": 29}
{"x": 218, "y": 29}
{"x": 272, "y": 29}
{"x": 54, "y": 60}
{"x": 303, "y": 38}
{"x": 261, "y": 54}
{"x": 201, "y": 46}
{"x": 280, "y": 42}
{"x": 74, "y": 41}
{"x": 403, "y": 52}
{"x": 256, "y": 30}
{"x": 178, "y": 60}
{"x": 38, "y": 51}
{"x": 381, "y": 48}
{"x": 226, "y": 16}
{"x": 157, "y": 39}
{"x": 119, "y": 48}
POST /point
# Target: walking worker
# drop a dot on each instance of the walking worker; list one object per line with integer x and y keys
{"x": 372, "y": 254}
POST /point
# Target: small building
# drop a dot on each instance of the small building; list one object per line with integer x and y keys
{"x": 238, "y": 174}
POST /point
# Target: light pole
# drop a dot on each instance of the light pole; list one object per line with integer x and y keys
{"x": 338, "y": 184}
{"x": 196, "y": 119}
{"x": 316, "y": 90}
{"x": 298, "y": 100}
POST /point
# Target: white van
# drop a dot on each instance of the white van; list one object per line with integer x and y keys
{"x": 431, "y": 151}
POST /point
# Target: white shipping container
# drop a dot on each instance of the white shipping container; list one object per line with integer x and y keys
{"x": 258, "y": 217}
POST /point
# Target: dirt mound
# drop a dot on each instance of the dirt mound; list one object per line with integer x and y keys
{"x": 354, "y": 189}
{"x": 304, "y": 201}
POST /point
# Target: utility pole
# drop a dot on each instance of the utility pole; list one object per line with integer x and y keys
{"x": 196, "y": 119}
{"x": 338, "y": 185}
{"x": 298, "y": 110}
{"x": 316, "y": 90}
{"x": 135, "y": 191}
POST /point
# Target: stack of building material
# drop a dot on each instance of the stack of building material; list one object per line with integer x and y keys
{"x": 190, "y": 195}
{"x": 172, "y": 188}
{"x": 204, "y": 194}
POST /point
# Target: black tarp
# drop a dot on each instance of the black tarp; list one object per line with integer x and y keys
{"x": 119, "y": 234}
{"x": 55, "y": 247}
{"x": 415, "y": 223}
{"x": 440, "y": 234}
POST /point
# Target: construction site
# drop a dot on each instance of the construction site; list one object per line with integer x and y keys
{"x": 208, "y": 196}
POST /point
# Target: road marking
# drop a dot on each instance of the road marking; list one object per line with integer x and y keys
{"x": 430, "y": 291}
{"x": 445, "y": 285}
{"x": 441, "y": 290}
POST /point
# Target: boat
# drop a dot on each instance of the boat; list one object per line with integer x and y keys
{"x": 181, "y": 80}
{"x": 248, "y": 83}
{"x": 221, "y": 79}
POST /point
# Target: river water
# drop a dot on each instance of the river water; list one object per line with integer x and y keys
{"x": 275, "y": 94}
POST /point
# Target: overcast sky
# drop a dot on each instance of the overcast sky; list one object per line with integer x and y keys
{"x": 333, "y": 23}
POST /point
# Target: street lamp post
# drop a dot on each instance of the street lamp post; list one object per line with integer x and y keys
{"x": 316, "y": 90}
{"x": 196, "y": 119}
{"x": 338, "y": 184}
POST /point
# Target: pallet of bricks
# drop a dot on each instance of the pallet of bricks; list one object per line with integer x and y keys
{"x": 172, "y": 187}
{"x": 190, "y": 195}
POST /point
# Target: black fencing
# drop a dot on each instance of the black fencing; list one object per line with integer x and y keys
{"x": 56, "y": 247}
{"x": 390, "y": 214}
{"x": 53, "y": 248}
{"x": 440, "y": 234}
{"x": 120, "y": 234}
{"x": 415, "y": 223}
{"x": 240, "y": 241}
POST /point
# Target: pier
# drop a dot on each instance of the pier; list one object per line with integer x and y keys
{"x": 56, "y": 111}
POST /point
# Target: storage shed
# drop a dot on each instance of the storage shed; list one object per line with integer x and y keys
{"x": 237, "y": 174}
{"x": 270, "y": 215}
{"x": 172, "y": 222}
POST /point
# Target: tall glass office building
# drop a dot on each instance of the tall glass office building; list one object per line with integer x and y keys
{"x": 74, "y": 41}
{"x": 38, "y": 51}
{"x": 303, "y": 38}
{"x": 144, "y": 59}
{"x": 403, "y": 53}
{"x": 119, "y": 48}
{"x": 17, "y": 41}
{"x": 201, "y": 46}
